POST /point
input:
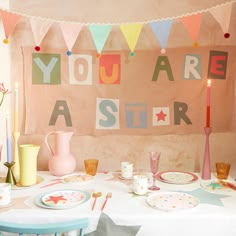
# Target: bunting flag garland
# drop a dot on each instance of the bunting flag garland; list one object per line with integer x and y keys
{"x": 222, "y": 15}
{"x": 131, "y": 33}
{"x": 70, "y": 33}
{"x": 99, "y": 34}
{"x": 161, "y": 30}
{"x": 131, "y": 30}
{"x": 192, "y": 25}
{"x": 39, "y": 29}
{"x": 9, "y": 21}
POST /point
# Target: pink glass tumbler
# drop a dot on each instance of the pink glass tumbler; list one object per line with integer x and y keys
{"x": 154, "y": 158}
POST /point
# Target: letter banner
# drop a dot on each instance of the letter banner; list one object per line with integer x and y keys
{"x": 117, "y": 94}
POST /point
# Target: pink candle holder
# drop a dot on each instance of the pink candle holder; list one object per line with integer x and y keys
{"x": 206, "y": 168}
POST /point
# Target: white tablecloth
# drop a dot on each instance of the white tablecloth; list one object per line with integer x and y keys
{"x": 208, "y": 218}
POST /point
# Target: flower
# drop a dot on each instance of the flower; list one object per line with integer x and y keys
{"x": 3, "y": 92}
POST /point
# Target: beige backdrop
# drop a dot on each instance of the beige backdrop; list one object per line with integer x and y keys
{"x": 183, "y": 152}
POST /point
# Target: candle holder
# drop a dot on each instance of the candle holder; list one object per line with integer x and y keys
{"x": 206, "y": 168}
{"x": 10, "y": 176}
{"x": 16, "y": 168}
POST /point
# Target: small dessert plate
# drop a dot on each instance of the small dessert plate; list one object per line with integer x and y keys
{"x": 216, "y": 186}
{"x": 76, "y": 178}
{"x": 18, "y": 186}
{"x": 125, "y": 178}
{"x": 7, "y": 205}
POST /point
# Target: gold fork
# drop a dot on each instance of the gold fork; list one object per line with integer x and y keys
{"x": 109, "y": 195}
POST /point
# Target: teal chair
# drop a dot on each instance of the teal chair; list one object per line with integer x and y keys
{"x": 55, "y": 228}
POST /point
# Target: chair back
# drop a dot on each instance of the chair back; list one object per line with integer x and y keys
{"x": 52, "y": 228}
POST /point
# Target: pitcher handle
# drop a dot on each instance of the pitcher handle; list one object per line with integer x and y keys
{"x": 47, "y": 144}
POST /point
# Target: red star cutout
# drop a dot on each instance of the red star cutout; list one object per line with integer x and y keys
{"x": 161, "y": 116}
{"x": 55, "y": 199}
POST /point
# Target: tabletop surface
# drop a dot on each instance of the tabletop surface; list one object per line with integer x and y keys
{"x": 214, "y": 209}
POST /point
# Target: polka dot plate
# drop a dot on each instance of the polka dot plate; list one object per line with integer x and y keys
{"x": 170, "y": 201}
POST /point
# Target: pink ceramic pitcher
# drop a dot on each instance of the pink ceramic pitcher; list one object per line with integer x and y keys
{"x": 61, "y": 162}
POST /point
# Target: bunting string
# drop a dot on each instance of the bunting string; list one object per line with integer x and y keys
{"x": 121, "y": 22}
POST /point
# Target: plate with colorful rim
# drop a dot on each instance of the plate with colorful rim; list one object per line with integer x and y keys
{"x": 216, "y": 186}
{"x": 172, "y": 201}
{"x": 176, "y": 177}
{"x": 62, "y": 199}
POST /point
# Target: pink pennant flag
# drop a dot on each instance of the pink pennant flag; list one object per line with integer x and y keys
{"x": 70, "y": 33}
{"x": 222, "y": 15}
{"x": 9, "y": 21}
{"x": 192, "y": 24}
{"x": 39, "y": 28}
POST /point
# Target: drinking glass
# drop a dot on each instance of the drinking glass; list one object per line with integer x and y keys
{"x": 154, "y": 163}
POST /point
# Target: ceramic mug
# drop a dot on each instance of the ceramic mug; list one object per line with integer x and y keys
{"x": 5, "y": 194}
{"x": 126, "y": 169}
{"x": 140, "y": 184}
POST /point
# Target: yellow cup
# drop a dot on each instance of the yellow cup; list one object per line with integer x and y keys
{"x": 91, "y": 166}
{"x": 222, "y": 170}
{"x": 28, "y": 164}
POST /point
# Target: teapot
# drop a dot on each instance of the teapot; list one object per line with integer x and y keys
{"x": 61, "y": 162}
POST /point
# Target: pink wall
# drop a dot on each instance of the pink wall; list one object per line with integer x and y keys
{"x": 178, "y": 152}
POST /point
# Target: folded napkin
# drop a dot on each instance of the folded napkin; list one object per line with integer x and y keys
{"x": 106, "y": 227}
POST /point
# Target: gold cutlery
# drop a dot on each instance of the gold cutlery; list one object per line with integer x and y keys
{"x": 109, "y": 195}
{"x": 95, "y": 195}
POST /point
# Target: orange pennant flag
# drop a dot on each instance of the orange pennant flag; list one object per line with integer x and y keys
{"x": 9, "y": 21}
{"x": 192, "y": 24}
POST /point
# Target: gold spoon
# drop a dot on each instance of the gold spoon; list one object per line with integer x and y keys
{"x": 109, "y": 195}
{"x": 95, "y": 195}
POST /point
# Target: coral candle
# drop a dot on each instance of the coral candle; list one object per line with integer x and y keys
{"x": 208, "y": 107}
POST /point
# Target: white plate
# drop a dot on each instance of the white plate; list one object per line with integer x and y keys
{"x": 18, "y": 186}
{"x": 76, "y": 178}
{"x": 171, "y": 201}
{"x": 62, "y": 199}
{"x": 176, "y": 177}
{"x": 125, "y": 178}
{"x": 7, "y": 205}
{"x": 214, "y": 186}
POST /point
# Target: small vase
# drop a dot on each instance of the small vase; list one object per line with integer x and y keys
{"x": 61, "y": 162}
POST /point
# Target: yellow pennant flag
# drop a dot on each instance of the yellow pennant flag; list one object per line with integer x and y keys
{"x": 131, "y": 33}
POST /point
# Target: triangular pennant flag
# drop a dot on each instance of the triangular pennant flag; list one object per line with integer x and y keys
{"x": 70, "y": 33}
{"x": 100, "y": 34}
{"x": 131, "y": 33}
{"x": 162, "y": 29}
{"x": 9, "y": 21}
{"x": 222, "y": 15}
{"x": 192, "y": 24}
{"x": 39, "y": 29}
